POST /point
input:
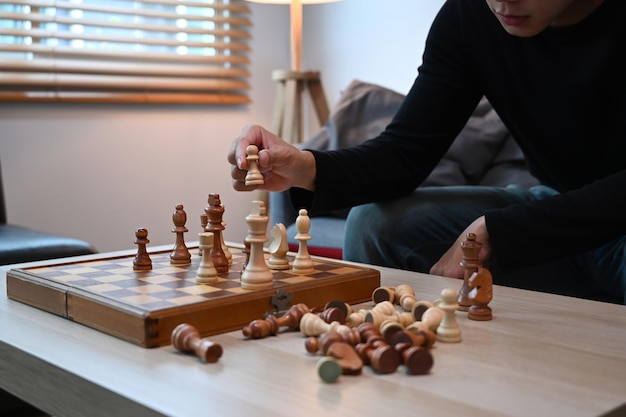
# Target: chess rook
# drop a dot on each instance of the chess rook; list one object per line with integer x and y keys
{"x": 180, "y": 254}
{"x": 206, "y": 274}
{"x": 257, "y": 274}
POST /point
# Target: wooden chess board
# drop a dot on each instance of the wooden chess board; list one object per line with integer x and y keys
{"x": 143, "y": 307}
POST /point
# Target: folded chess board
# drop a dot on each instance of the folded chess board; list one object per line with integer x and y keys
{"x": 143, "y": 307}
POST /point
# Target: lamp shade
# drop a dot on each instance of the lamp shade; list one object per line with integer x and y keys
{"x": 296, "y": 25}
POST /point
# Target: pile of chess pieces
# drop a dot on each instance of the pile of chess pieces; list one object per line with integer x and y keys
{"x": 398, "y": 331}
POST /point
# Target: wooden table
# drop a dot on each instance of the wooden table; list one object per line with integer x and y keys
{"x": 541, "y": 355}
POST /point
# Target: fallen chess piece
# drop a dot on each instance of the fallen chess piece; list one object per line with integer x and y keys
{"x": 186, "y": 338}
{"x": 261, "y": 328}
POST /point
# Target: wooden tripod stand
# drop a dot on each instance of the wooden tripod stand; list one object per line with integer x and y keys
{"x": 287, "y": 122}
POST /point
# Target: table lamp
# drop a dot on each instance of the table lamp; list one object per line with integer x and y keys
{"x": 287, "y": 120}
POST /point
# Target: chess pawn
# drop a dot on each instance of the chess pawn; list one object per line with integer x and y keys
{"x": 313, "y": 325}
{"x": 253, "y": 176}
{"x": 303, "y": 264}
{"x": 383, "y": 294}
{"x": 432, "y": 317}
{"x": 278, "y": 248}
{"x": 448, "y": 330}
{"x": 180, "y": 254}
{"x": 405, "y": 295}
{"x": 470, "y": 263}
{"x": 377, "y": 353}
{"x": 481, "y": 294}
{"x": 257, "y": 274}
{"x": 206, "y": 273}
{"x": 186, "y": 338}
{"x": 142, "y": 260}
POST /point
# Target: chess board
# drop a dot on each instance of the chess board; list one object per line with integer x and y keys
{"x": 143, "y": 307}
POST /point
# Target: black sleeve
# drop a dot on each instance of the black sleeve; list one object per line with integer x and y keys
{"x": 396, "y": 162}
{"x": 566, "y": 224}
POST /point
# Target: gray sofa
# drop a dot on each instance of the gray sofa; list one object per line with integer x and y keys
{"x": 484, "y": 153}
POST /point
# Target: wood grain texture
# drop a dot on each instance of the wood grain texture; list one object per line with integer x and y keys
{"x": 541, "y": 355}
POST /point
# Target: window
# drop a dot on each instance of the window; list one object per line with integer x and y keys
{"x": 159, "y": 51}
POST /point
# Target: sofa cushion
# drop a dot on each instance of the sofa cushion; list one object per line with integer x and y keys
{"x": 365, "y": 109}
{"x": 20, "y": 244}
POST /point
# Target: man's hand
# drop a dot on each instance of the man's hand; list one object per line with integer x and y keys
{"x": 283, "y": 165}
{"x": 449, "y": 264}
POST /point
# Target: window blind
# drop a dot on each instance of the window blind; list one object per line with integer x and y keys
{"x": 159, "y": 51}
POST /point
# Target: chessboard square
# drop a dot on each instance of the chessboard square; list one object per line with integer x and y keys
{"x": 337, "y": 270}
{"x": 45, "y": 270}
{"x": 149, "y": 289}
{"x": 81, "y": 270}
{"x": 166, "y": 269}
{"x": 142, "y": 299}
{"x": 115, "y": 278}
{"x": 103, "y": 288}
{"x": 296, "y": 279}
{"x": 104, "y": 265}
{"x": 97, "y": 275}
{"x": 327, "y": 267}
{"x": 237, "y": 290}
{"x": 187, "y": 299}
{"x": 71, "y": 279}
{"x": 201, "y": 289}
{"x": 158, "y": 279}
{"x": 179, "y": 283}
{"x": 121, "y": 270}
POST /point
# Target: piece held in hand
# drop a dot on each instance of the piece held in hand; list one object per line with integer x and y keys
{"x": 142, "y": 260}
{"x": 254, "y": 176}
{"x": 186, "y": 338}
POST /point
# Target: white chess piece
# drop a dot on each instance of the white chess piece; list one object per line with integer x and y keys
{"x": 257, "y": 274}
{"x": 448, "y": 330}
{"x": 303, "y": 264}
{"x": 207, "y": 273}
{"x": 254, "y": 176}
{"x": 278, "y": 248}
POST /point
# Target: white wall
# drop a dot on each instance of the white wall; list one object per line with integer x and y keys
{"x": 97, "y": 172}
{"x": 371, "y": 40}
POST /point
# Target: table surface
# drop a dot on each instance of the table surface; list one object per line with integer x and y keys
{"x": 541, "y": 355}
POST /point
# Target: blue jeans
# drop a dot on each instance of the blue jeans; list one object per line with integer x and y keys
{"x": 413, "y": 232}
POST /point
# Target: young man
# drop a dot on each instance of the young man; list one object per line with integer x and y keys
{"x": 553, "y": 71}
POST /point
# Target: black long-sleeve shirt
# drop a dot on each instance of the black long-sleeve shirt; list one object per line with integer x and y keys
{"x": 562, "y": 95}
